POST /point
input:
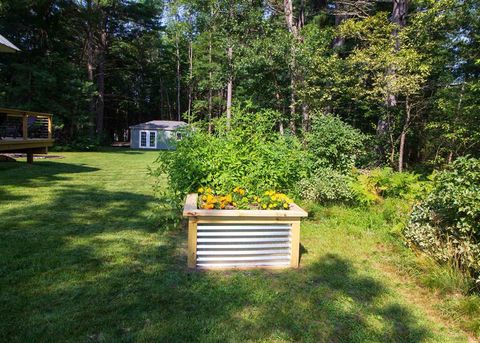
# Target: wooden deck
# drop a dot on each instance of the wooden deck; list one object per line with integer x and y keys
{"x": 25, "y": 132}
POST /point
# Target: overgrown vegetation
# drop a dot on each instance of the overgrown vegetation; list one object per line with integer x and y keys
{"x": 374, "y": 185}
{"x": 332, "y": 143}
{"x": 327, "y": 185}
{"x": 99, "y": 268}
{"x": 248, "y": 154}
{"x": 446, "y": 224}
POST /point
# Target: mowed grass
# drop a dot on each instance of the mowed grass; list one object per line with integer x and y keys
{"x": 83, "y": 259}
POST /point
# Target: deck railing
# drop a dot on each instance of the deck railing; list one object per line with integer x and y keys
{"x": 24, "y": 125}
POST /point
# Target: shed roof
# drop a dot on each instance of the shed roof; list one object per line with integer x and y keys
{"x": 6, "y": 46}
{"x": 160, "y": 125}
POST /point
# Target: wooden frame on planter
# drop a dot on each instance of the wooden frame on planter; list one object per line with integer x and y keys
{"x": 242, "y": 238}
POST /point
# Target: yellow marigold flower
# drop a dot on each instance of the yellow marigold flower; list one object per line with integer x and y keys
{"x": 264, "y": 206}
{"x": 211, "y": 199}
{"x": 200, "y": 190}
{"x": 285, "y": 205}
{"x": 204, "y": 197}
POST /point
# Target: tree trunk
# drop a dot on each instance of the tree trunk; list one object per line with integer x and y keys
{"x": 177, "y": 46}
{"x": 90, "y": 69}
{"x": 305, "y": 118}
{"x": 190, "y": 80}
{"x": 399, "y": 12}
{"x": 161, "y": 105}
{"x": 293, "y": 96}
{"x": 403, "y": 135}
{"x": 339, "y": 18}
{"x": 455, "y": 120}
{"x": 229, "y": 86}
{"x": 210, "y": 83}
{"x": 301, "y": 16}
{"x": 91, "y": 105}
{"x": 401, "y": 151}
{"x": 230, "y": 70}
{"x": 295, "y": 78}
{"x": 399, "y": 17}
{"x": 101, "y": 80}
{"x": 288, "y": 10}
{"x": 280, "y": 124}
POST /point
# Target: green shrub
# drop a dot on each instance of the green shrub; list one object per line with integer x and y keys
{"x": 79, "y": 144}
{"x": 333, "y": 143}
{"x": 446, "y": 224}
{"x": 327, "y": 186}
{"x": 251, "y": 154}
{"x": 374, "y": 185}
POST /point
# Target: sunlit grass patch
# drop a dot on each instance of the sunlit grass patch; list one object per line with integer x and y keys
{"x": 83, "y": 259}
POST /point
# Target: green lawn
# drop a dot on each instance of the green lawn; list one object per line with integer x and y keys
{"x": 83, "y": 260}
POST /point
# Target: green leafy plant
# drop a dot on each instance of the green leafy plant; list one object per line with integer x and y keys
{"x": 327, "y": 186}
{"x": 333, "y": 143}
{"x": 249, "y": 153}
{"x": 446, "y": 224}
{"x": 80, "y": 144}
{"x": 374, "y": 185}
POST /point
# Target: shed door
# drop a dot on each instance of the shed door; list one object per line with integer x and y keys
{"x": 148, "y": 139}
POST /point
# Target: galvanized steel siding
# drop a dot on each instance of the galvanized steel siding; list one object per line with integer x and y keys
{"x": 243, "y": 245}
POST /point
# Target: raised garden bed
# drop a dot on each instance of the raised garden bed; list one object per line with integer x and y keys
{"x": 226, "y": 238}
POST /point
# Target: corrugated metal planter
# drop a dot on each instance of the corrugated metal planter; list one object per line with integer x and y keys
{"x": 242, "y": 238}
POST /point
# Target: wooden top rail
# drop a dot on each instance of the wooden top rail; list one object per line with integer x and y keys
{"x": 21, "y": 113}
{"x": 191, "y": 210}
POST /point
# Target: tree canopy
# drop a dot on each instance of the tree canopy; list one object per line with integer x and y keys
{"x": 404, "y": 73}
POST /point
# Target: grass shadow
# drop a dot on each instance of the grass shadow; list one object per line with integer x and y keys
{"x": 92, "y": 265}
{"x": 46, "y": 171}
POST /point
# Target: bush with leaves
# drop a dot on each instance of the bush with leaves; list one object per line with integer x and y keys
{"x": 446, "y": 224}
{"x": 250, "y": 154}
{"x": 327, "y": 186}
{"x": 334, "y": 144}
{"x": 79, "y": 144}
{"x": 374, "y": 185}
